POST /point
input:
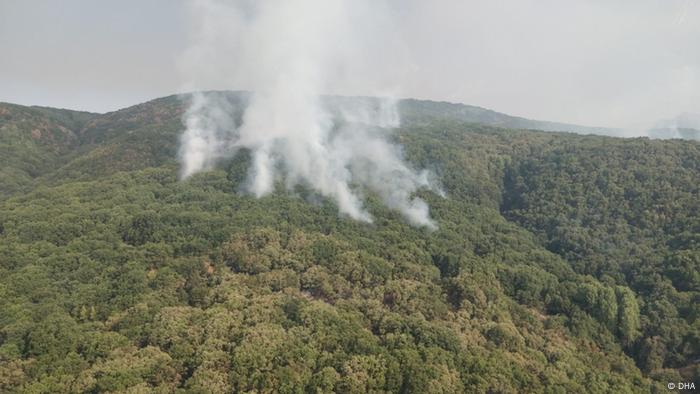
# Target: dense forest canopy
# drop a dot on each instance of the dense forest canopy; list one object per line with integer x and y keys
{"x": 561, "y": 263}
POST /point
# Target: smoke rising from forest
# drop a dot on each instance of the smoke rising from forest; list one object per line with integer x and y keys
{"x": 289, "y": 53}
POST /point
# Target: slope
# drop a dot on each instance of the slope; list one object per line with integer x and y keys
{"x": 34, "y": 140}
{"x": 115, "y": 276}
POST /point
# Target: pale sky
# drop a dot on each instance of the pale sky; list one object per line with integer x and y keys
{"x": 621, "y": 63}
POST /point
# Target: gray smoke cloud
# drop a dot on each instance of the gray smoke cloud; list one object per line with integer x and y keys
{"x": 288, "y": 53}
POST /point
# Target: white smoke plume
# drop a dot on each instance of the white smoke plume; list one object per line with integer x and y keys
{"x": 288, "y": 53}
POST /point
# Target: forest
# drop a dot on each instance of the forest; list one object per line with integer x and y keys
{"x": 562, "y": 263}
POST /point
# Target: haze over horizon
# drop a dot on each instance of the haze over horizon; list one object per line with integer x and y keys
{"x": 615, "y": 64}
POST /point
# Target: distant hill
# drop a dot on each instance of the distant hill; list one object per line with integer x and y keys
{"x": 422, "y": 110}
{"x": 675, "y": 132}
{"x": 684, "y": 126}
{"x": 414, "y": 111}
{"x": 685, "y": 120}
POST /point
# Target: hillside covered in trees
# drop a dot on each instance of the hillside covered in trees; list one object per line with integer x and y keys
{"x": 562, "y": 263}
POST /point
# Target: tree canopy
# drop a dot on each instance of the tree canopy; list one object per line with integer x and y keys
{"x": 561, "y": 263}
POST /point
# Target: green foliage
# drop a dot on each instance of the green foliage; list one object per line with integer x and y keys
{"x": 627, "y": 213}
{"x": 561, "y": 263}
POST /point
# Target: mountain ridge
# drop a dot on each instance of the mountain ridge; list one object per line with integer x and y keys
{"x": 409, "y": 108}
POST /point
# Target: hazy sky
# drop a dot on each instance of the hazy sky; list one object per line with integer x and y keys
{"x": 598, "y": 62}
